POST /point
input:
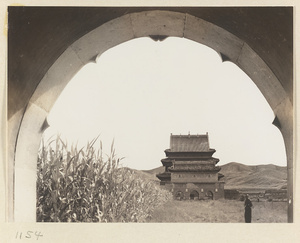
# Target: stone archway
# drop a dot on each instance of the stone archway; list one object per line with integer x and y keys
{"x": 209, "y": 195}
{"x": 194, "y": 195}
{"x": 158, "y": 25}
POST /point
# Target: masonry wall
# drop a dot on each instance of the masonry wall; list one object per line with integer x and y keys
{"x": 188, "y": 177}
{"x": 217, "y": 189}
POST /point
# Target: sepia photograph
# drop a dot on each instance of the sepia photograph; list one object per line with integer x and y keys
{"x": 121, "y": 117}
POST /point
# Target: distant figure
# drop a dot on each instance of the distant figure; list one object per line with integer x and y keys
{"x": 248, "y": 205}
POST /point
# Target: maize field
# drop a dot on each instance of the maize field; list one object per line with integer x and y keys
{"x": 80, "y": 185}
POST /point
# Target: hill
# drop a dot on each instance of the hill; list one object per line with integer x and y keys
{"x": 155, "y": 170}
{"x": 240, "y": 176}
{"x": 147, "y": 176}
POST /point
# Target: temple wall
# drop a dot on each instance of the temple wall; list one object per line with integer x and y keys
{"x": 217, "y": 190}
{"x": 188, "y": 177}
{"x": 203, "y": 155}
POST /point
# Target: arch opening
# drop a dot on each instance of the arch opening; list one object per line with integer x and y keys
{"x": 209, "y": 195}
{"x": 156, "y": 75}
{"x": 83, "y": 51}
{"x": 194, "y": 195}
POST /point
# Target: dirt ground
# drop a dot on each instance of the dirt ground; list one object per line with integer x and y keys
{"x": 219, "y": 211}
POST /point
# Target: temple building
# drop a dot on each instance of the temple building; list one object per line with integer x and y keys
{"x": 190, "y": 170}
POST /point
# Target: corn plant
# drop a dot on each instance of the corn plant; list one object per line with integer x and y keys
{"x": 79, "y": 185}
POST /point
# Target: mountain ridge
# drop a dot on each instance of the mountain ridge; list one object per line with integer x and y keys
{"x": 241, "y": 176}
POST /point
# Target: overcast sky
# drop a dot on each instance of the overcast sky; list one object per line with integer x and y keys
{"x": 141, "y": 91}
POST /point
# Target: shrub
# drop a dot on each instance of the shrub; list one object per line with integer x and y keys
{"x": 80, "y": 186}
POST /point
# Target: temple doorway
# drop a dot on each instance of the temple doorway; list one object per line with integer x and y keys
{"x": 194, "y": 195}
{"x": 209, "y": 195}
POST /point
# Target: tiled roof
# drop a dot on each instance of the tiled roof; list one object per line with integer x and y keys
{"x": 189, "y": 143}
